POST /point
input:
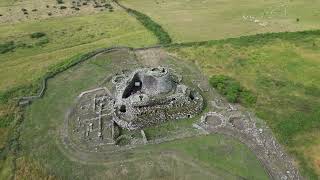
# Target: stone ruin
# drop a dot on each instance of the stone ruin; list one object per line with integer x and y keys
{"x": 138, "y": 99}
{"x": 150, "y": 96}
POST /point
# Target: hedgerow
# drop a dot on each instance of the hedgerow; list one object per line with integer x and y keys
{"x": 148, "y": 23}
{"x": 152, "y": 26}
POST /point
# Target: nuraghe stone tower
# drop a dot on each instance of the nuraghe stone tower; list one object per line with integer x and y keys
{"x": 149, "y": 96}
{"x": 140, "y": 98}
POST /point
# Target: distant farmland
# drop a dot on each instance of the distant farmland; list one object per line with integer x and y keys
{"x": 193, "y": 20}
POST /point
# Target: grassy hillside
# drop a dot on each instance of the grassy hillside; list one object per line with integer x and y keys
{"x": 283, "y": 71}
{"x": 64, "y": 38}
{"x": 194, "y": 20}
{"x": 29, "y": 49}
{"x": 201, "y": 157}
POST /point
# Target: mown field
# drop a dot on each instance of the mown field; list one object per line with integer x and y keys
{"x": 40, "y": 155}
{"x": 283, "y": 71}
{"x": 194, "y": 20}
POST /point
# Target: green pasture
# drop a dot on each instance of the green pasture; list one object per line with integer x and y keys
{"x": 283, "y": 71}
{"x": 65, "y": 38}
{"x": 210, "y": 156}
{"x": 200, "y": 20}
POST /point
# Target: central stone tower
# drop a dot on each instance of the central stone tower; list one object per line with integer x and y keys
{"x": 149, "y": 96}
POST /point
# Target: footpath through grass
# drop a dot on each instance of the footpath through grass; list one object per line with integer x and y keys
{"x": 283, "y": 71}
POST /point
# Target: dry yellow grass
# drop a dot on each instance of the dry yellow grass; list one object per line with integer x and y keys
{"x": 11, "y": 11}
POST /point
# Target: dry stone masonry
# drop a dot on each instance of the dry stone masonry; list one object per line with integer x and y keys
{"x": 150, "y": 96}
{"x": 141, "y": 98}
{"x": 230, "y": 120}
{"x": 113, "y": 118}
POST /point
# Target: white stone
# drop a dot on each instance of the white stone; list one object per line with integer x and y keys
{"x": 137, "y": 84}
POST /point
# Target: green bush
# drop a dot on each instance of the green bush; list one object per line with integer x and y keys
{"x": 63, "y": 7}
{"x": 37, "y": 35}
{"x": 7, "y": 47}
{"x": 247, "y": 98}
{"x": 232, "y": 90}
{"x": 60, "y": 1}
{"x": 226, "y": 86}
{"x": 42, "y": 42}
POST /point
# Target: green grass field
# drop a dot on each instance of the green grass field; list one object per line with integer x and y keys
{"x": 194, "y": 20}
{"x": 81, "y": 35}
{"x": 24, "y": 60}
{"x": 200, "y": 157}
{"x": 283, "y": 71}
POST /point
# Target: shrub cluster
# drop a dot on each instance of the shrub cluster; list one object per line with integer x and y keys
{"x": 42, "y": 42}
{"x": 60, "y": 2}
{"x": 63, "y": 7}
{"x": 7, "y": 47}
{"x": 37, "y": 35}
{"x": 232, "y": 90}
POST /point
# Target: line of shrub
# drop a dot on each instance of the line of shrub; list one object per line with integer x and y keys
{"x": 260, "y": 39}
{"x": 232, "y": 90}
{"x": 147, "y": 22}
{"x": 152, "y": 26}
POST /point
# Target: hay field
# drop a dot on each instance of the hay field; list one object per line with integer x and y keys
{"x": 200, "y": 20}
{"x": 67, "y": 37}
